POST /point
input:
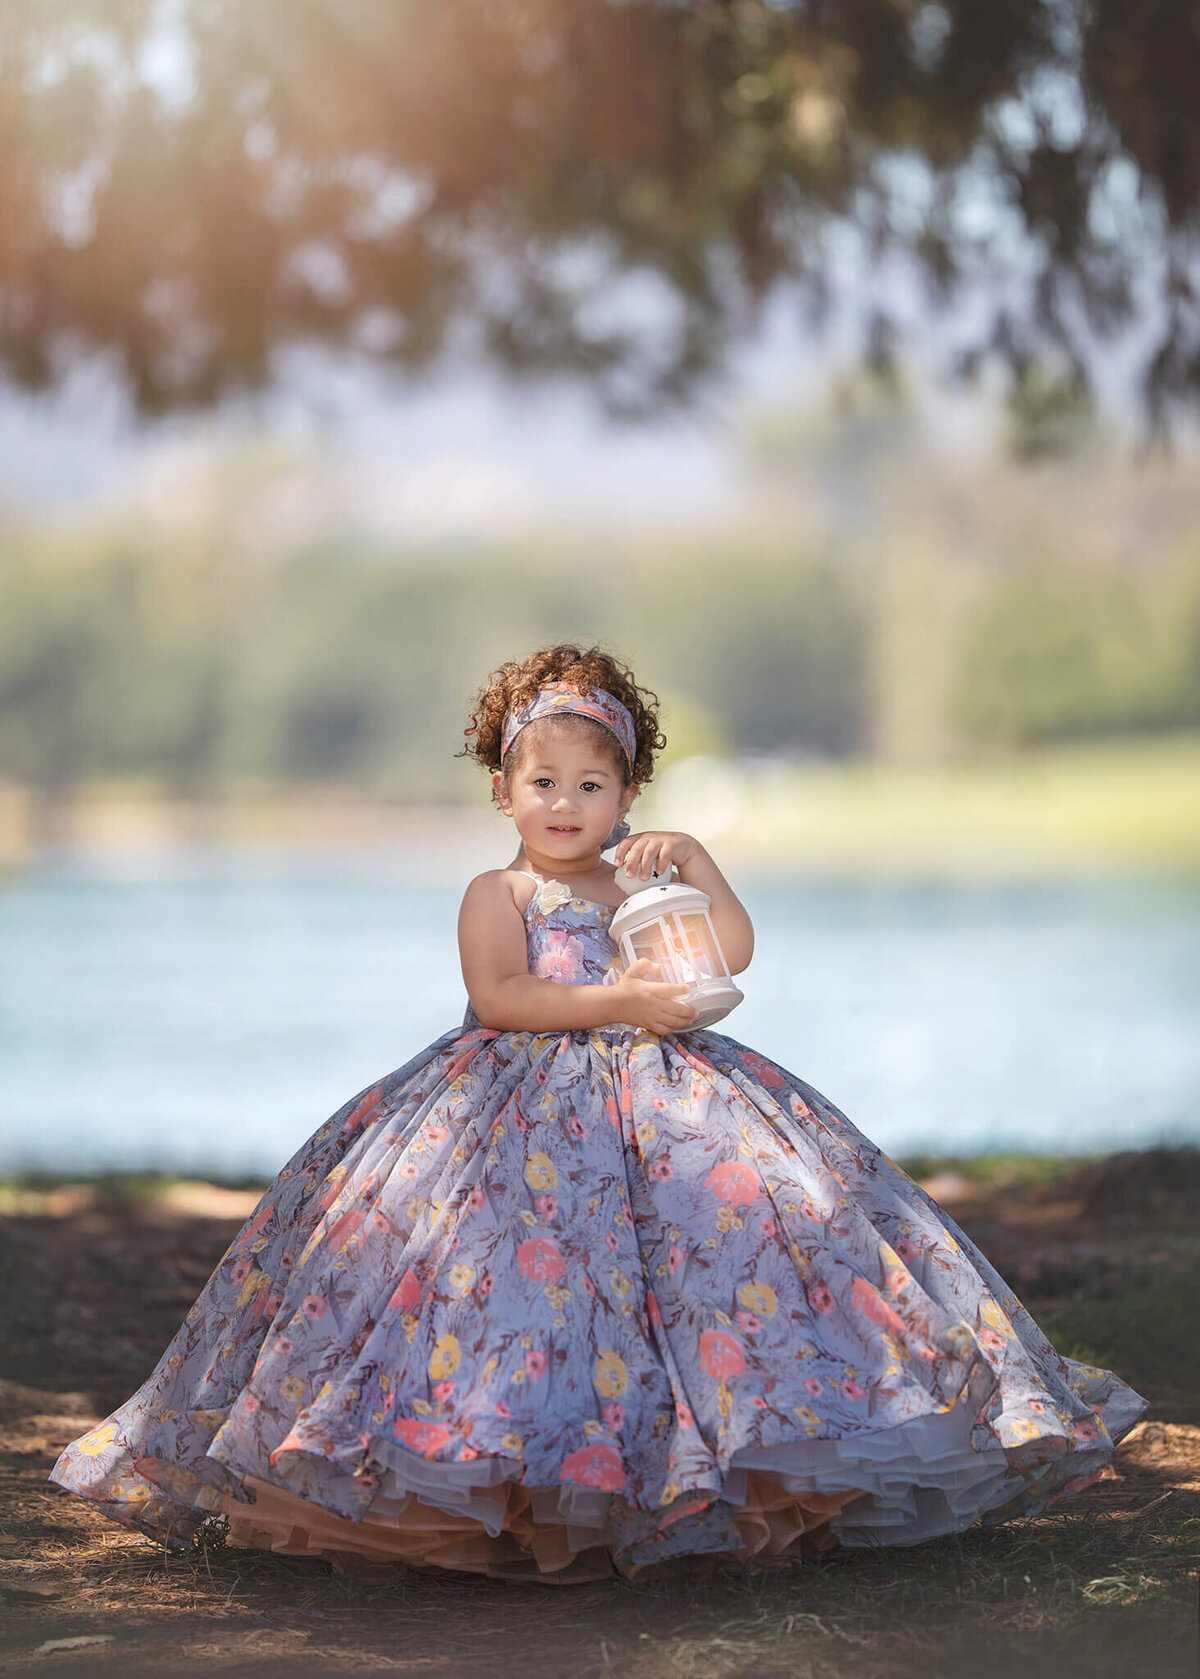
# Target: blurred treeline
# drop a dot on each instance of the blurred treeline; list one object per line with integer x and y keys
{"x": 869, "y": 605}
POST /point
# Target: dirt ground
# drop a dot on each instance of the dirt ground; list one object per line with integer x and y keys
{"x": 1103, "y": 1254}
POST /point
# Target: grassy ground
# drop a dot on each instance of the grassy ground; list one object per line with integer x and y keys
{"x": 1107, "y": 805}
{"x": 97, "y": 1275}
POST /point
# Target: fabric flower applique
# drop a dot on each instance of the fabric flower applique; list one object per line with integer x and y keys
{"x": 552, "y": 895}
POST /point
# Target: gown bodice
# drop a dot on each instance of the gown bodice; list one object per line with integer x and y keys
{"x": 567, "y": 939}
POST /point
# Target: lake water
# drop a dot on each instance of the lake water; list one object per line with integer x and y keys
{"x": 208, "y": 1013}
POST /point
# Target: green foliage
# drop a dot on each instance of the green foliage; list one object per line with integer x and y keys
{"x": 1053, "y": 656}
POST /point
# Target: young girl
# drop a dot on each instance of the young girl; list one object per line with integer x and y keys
{"x": 580, "y": 1287}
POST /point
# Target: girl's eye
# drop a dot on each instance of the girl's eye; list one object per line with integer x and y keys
{"x": 539, "y": 780}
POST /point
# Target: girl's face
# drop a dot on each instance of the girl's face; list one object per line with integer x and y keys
{"x": 565, "y": 795}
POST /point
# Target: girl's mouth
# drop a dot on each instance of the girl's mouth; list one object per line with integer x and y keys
{"x": 564, "y": 830}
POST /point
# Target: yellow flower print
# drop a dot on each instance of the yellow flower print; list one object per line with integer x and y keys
{"x": 646, "y": 1132}
{"x": 993, "y": 1315}
{"x": 293, "y": 1388}
{"x": 758, "y": 1297}
{"x": 512, "y": 1443}
{"x": 1022, "y": 1428}
{"x": 255, "y": 1283}
{"x": 670, "y": 1493}
{"x": 806, "y": 1415}
{"x": 207, "y": 1419}
{"x": 94, "y": 1442}
{"x": 540, "y": 1172}
{"x": 620, "y": 1283}
{"x": 461, "y": 1277}
{"x": 889, "y": 1257}
{"x": 446, "y": 1357}
{"x": 609, "y": 1376}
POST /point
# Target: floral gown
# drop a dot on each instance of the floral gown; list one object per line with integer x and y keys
{"x": 551, "y": 1305}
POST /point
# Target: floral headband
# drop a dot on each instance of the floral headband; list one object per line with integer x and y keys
{"x": 563, "y": 696}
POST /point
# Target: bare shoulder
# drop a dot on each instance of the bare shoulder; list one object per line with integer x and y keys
{"x": 495, "y": 890}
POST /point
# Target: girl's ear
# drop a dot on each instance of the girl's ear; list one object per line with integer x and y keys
{"x": 627, "y": 798}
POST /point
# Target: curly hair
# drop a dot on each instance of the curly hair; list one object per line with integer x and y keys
{"x": 516, "y": 682}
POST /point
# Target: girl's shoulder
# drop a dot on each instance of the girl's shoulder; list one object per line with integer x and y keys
{"x": 496, "y": 888}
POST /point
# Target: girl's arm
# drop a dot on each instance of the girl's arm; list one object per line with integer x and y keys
{"x": 495, "y": 964}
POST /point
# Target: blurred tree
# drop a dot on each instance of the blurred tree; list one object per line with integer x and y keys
{"x": 194, "y": 188}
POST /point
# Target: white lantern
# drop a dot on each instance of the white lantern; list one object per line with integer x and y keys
{"x": 669, "y": 923}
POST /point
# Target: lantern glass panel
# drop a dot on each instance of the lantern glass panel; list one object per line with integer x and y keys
{"x": 702, "y": 949}
{"x": 648, "y": 942}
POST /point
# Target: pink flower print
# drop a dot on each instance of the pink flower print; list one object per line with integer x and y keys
{"x": 684, "y": 1414}
{"x": 662, "y": 1169}
{"x": 407, "y": 1293}
{"x": 273, "y": 1303}
{"x": 927, "y": 1354}
{"x": 768, "y": 1226}
{"x": 759, "y": 1402}
{"x": 867, "y": 1299}
{"x": 612, "y": 1110}
{"x": 839, "y": 1180}
{"x": 476, "y": 1199}
{"x": 992, "y": 1340}
{"x": 467, "y": 1453}
{"x": 1036, "y": 1406}
{"x": 485, "y": 1284}
{"x": 442, "y": 1390}
{"x": 240, "y": 1272}
{"x": 653, "y": 1310}
{"x": 343, "y": 1227}
{"x": 547, "y": 1205}
{"x": 589, "y": 1286}
{"x": 659, "y": 1102}
{"x": 436, "y": 1133}
{"x": 314, "y": 1306}
{"x": 809, "y": 1212}
{"x": 561, "y": 958}
{"x": 502, "y": 1409}
{"x": 251, "y": 1401}
{"x": 749, "y": 1322}
{"x": 535, "y": 1363}
{"x": 614, "y": 1416}
{"x": 576, "y": 1127}
{"x": 853, "y": 1389}
{"x": 610, "y": 1236}
{"x": 424, "y": 1437}
{"x": 907, "y": 1250}
{"x": 598, "y": 1465}
{"x": 720, "y": 1354}
{"x": 284, "y": 1346}
{"x": 627, "y": 1214}
{"x": 541, "y": 1260}
{"x": 733, "y": 1181}
{"x": 287, "y": 1259}
{"x": 813, "y": 1386}
{"x": 820, "y": 1297}
{"x": 364, "y": 1441}
{"x": 540, "y": 1073}
{"x": 406, "y": 1169}
{"x": 675, "y": 1259}
{"x": 518, "y": 1118}
{"x": 898, "y": 1281}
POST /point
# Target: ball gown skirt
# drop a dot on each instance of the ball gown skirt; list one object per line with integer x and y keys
{"x": 554, "y": 1305}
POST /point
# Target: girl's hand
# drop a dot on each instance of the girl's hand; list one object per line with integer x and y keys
{"x": 655, "y": 1005}
{"x": 653, "y": 852}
